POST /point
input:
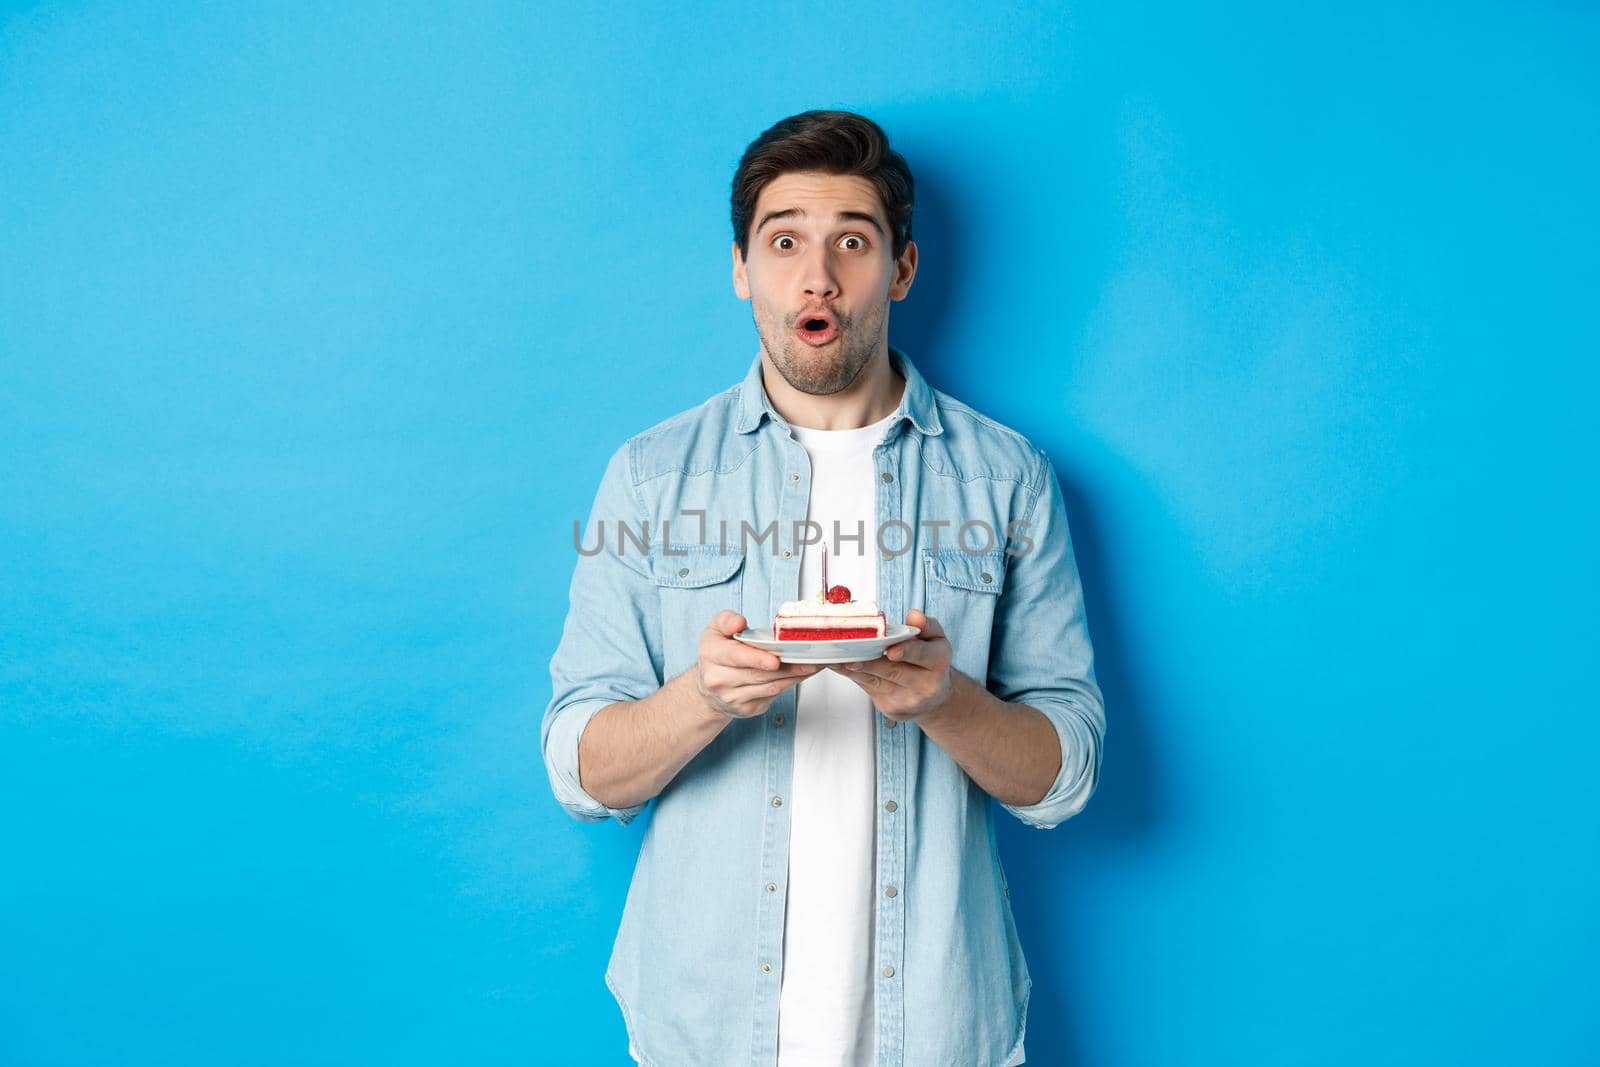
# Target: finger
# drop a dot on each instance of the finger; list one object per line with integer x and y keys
{"x": 797, "y": 671}
{"x": 726, "y": 652}
{"x": 731, "y": 677}
{"x": 881, "y": 690}
{"x": 728, "y": 623}
{"x": 760, "y": 691}
{"x": 915, "y": 652}
{"x": 743, "y": 657}
{"x": 875, "y": 673}
{"x": 929, "y": 625}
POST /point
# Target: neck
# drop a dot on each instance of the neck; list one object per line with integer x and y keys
{"x": 872, "y": 396}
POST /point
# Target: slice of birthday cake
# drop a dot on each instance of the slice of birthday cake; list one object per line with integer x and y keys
{"x": 832, "y": 618}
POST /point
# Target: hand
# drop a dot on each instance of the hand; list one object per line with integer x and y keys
{"x": 912, "y": 679}
{"x": 738, "y": 680}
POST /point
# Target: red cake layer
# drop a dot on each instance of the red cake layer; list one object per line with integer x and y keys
{"x": 842, "y": 627}
{"x": 837, "y": 633}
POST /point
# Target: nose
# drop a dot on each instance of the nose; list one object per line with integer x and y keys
{"x": 818, "y": 276}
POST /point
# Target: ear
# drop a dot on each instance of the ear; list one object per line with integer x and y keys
{"x": 905, "y": 269}
{"x": 741, "y": 284}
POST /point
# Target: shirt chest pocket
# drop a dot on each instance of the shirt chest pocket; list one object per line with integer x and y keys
{"x": 693, "y": 583}
{"x": 962, "y": 592}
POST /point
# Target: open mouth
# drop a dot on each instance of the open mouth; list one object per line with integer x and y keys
{"x": 817, "y": 330}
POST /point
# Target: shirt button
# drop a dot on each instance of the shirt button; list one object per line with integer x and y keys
{"x": 887, "y": 477}
{"x": 794, "y": 477}
{"x": 772, "y": 887}
{"x": 985, "y": 577}
{"x": 891, "y": 806}
{"x": 890, "y": 891}
{"x": 777, "y": 720}
{"x": 766, "y": 968}
{"x": 888, "y": 724}
{"x": 888, "y": 972}
{"x": 787, "y": 553}
{"x": 683, "y": 572}
{"x": 777, "y": 802}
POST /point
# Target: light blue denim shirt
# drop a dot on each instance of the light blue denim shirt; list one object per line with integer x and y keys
{"x": 698, "y": 959}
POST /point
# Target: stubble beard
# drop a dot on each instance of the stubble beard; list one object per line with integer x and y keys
{"x": 818, "y": 371}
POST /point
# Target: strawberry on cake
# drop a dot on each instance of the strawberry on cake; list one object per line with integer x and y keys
{"x": 832, "y": 618}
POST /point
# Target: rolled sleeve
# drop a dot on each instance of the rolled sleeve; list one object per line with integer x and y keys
{"x": 562, "y": 732}
{"x": 1041, "y": 655}
{"x": 605, "y": 654}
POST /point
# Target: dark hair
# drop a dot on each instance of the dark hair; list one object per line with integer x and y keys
{"x": 833, "y": 142}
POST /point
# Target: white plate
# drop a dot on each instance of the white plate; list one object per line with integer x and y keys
{"x": 851, "y": 650}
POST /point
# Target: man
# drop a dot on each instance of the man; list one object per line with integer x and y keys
{"x": 818, "y": 882}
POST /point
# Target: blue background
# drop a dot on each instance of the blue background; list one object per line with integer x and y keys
{"x": 318, "y": 325}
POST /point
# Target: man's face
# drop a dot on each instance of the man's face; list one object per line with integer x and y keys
{"x": 820, "y": 276}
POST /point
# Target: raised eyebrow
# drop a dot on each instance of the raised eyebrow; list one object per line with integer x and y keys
{"x": 843, "y": 216}
{"x": 773, "y": 216}
{"x": 860, "y": 216}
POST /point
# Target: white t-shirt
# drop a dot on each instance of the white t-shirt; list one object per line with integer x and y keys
{"x": 825, "y": 1011}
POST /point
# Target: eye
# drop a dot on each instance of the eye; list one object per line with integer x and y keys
{"x": 777, "y": 242}
{"x": 860, "y": 242}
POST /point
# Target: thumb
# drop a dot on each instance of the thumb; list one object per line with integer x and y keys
{"x": 729, "y": 623}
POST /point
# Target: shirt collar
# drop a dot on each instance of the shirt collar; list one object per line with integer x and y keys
{"x": 916, "y": 403}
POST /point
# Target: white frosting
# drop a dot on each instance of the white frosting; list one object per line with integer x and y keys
{"x": 849, "y": 609}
